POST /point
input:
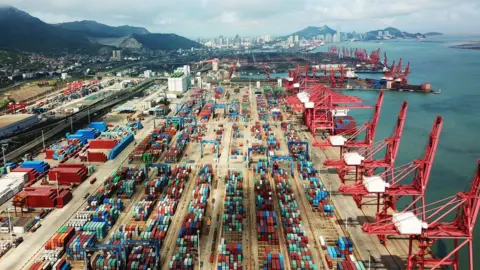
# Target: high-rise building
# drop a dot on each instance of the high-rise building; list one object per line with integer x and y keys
{"x": 290, "y": 40}
{"x": 328, "y": 37}
{"x": 148, "y": 74}
{"x": 336, "y": 37}
{"x": 237, "y": 40}
{"x": 180, "y": 79}
{"x": 266, "y": 38}
{"x": 220, "y": 40}
{"x": 380, "y": 33}
{"x": 117, "y": 55}
{"x": 296, "y": 39}
{"x": 386, "y": 33}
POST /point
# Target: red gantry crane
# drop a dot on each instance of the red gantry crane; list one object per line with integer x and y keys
{"x": 267, "y": 71}
{"x": 428, "y": 224}
{"x": 348, "y": 139}
{"x": 341, "y": 79}
{"x": 333, "y": 80}
{"x": 403, "y": 76}
{"x": 390, "y": 185}
{"x": 322, "y": 104}
{"x": 292, "y": 80}
{"x": 375, "y": 57}
{"x": 362, "y": 161}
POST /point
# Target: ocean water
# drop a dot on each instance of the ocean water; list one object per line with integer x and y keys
{"x": 457, "y": 73}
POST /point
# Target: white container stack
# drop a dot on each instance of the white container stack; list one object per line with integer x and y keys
{"x": 77, "y": 223}
{"x": 11, "y": 184}
{"x": 52, "y": 255}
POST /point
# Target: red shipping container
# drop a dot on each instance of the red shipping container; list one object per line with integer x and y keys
{"x": 63, "y": 198}
{"x": 49, "y": 154}
{"x": 96, "y": 157}
{"x": 72, "y": 165}
{"x": 102, "y": 144}
{"x": 37, "y": 197}
{"x": 67, "y": 175}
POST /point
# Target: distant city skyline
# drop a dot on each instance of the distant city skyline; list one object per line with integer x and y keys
{"x": 211, "y": 18}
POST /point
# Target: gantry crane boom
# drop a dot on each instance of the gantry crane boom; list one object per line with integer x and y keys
{"x": 363, "y": 160}
{"x": 370, "y": 129}
{"x": 428, "y": 224}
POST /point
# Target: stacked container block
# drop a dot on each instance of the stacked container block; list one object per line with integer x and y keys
{"x": 187, "y": 238}
{"x": 233, "y": 212}
{"x": 229, "y": 256}
{"x": 297, "y": 240}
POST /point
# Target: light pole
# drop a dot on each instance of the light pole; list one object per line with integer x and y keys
{"x": 43, "y": 140}
{"x": 4, "y": 148}
{"x": 198, "y": 246}
{"x": 346, "y": 221}
{"x": 10, "y": 228}
{"x": 369, "y": 255}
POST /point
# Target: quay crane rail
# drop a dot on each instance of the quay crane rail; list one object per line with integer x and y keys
{"x": 363, "y": 159}
{"x": 428, "y": 224}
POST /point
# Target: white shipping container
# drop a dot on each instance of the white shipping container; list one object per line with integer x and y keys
{"x": 18, "y": 176}
{"x": 18, "y": 229}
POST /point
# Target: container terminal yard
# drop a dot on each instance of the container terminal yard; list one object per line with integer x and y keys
{"x": 230, "y": 177}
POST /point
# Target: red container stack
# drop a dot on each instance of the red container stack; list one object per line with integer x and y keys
{"x": 63, "y": 198}
{"x": 102, "y": 144}
{"x": 38, "y": 197}
{"x": 67, "y": 174}
{"x": 96, "y": 156}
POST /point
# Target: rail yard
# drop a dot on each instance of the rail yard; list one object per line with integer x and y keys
{"x": 276, "y": 176}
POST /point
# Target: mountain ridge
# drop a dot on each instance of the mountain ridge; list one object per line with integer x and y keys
{"x": 311, "y": 31}
{"x": 19, "y": 31}
{"x": 96, "y": 29}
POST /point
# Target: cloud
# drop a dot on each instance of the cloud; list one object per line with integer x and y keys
{"x": 229, "y": 17}
{"x": 256, "y": 17}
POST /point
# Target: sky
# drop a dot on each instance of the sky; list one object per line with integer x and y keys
{"x": 209, "y": 18}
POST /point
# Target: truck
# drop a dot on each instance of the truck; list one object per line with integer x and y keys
{"x": 18, "y": 241}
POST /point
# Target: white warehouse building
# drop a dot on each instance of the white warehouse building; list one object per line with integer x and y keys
{"x": 180, "y": 79}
